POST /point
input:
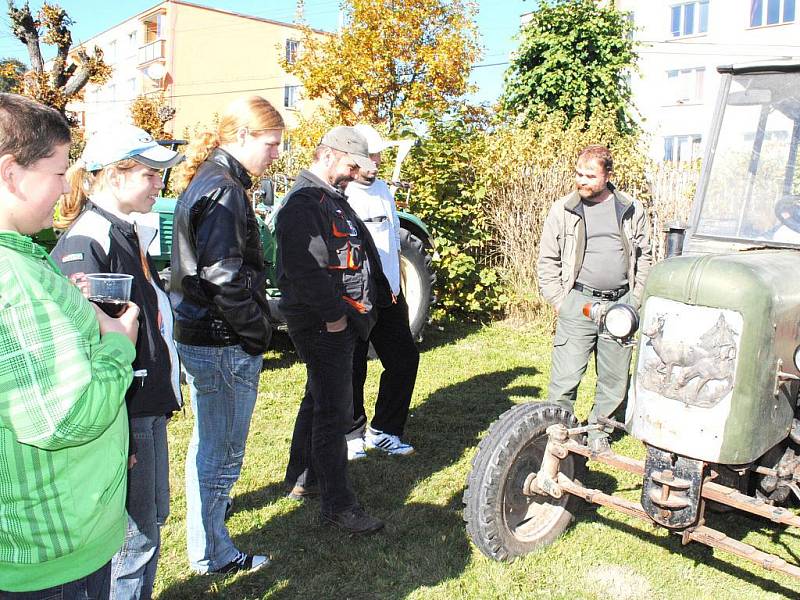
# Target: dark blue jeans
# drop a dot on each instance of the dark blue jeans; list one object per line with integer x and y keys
{"x": 319, "y": 451}
{"x": 95, "y": 586}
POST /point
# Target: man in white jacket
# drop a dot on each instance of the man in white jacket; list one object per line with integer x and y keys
{"x": 391, "y": 337}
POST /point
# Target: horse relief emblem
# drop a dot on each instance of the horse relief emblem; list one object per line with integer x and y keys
{"x": 696, "y": 371}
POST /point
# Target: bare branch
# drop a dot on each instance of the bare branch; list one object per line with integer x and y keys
{"x": 26, "y": 29}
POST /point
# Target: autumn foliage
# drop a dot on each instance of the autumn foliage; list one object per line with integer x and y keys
{"x": 393, "y": 60}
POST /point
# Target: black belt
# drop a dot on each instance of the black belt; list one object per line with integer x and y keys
{"x": 602, "y": 294}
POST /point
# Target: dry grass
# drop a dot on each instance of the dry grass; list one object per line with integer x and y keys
{"x": 517, "y": 209}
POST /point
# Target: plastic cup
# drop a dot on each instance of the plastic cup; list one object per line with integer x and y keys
{"x": 110, "y": 291}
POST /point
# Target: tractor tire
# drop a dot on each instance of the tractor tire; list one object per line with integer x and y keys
{"x": 416, "y": 281}
{"x": 503, "y": 522}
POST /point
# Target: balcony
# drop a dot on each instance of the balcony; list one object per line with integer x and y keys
{"x": 151, "y": 52}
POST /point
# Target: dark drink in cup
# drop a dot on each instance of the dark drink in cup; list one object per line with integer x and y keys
{"x": 110, "y": 291}
{"x": 113, "y": 307}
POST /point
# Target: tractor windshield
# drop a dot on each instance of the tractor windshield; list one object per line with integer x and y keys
{"x": 751, "y": 188}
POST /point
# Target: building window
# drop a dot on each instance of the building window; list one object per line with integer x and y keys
{"x": 690, "y": 18}
{"x": 292, "y": 48}
{"x": 111, "y": 93}
{"x": 291, "y": 95}
{"x": 771, "y": 12}
{"x": 686, "y": 85}
{"x": 111, "y": 53}
{"x": 131, "y": 87}
{"x": 133, "y": 43}
{"x": 682, "y": 148}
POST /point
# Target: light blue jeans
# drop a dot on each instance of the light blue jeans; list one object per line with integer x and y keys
{"x": 223, "y": 383}
{"x": 133, "y": 567}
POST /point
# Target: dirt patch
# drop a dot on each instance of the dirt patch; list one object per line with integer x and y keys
{"x": 620, "y": 583}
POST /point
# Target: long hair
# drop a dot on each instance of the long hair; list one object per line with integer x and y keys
{"x": 83, "y": 184}
{"x": 252, "y": 112}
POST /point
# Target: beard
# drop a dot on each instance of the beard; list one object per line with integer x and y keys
{"x": 341, "y": 181}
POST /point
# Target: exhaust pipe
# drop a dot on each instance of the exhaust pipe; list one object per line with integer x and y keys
{"x": 674, "y": 235}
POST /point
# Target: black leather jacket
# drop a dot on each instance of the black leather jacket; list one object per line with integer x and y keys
{"x": 218, "y": 275}
{"x": 327, "y": 263}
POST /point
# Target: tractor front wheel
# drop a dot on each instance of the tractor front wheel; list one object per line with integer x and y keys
{"x": 502, "y": 521}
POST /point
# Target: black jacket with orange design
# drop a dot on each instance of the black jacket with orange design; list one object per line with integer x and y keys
{"x": 327, "y": 263}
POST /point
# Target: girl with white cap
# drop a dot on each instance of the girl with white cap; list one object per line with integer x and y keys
{"x": 118, "y": 175}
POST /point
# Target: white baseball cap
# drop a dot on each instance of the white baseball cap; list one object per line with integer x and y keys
{"x": 120, "y": 142}
{"x": 375, "y": 143}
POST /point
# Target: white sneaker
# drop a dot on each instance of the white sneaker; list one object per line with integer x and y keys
{"x": 355, "y": 448}
{"x": 391, "y": 444}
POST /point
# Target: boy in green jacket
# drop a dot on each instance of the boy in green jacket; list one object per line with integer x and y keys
{"x": 64, "y": 369}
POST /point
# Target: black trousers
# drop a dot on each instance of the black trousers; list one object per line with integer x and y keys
{"x": 395, "y": 347}
{"x": 319, "y": 451}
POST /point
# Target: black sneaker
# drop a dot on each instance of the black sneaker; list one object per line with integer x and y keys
{"x": 354, "y": 520}
{"x": 244, "y": 562}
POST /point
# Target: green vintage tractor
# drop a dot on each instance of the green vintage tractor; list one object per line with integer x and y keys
{"x": 714, "y": 396}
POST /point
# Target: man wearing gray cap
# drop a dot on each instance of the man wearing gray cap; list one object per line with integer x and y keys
{"x": 330, "y": 277}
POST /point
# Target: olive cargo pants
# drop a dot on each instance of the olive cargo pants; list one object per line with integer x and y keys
{"x": 575, "y": 340}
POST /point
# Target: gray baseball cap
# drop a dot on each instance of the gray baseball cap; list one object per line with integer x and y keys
{"x": 352, "y": 143}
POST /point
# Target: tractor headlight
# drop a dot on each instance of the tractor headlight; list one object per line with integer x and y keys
{"x": 622, "y": 321}
{"x": 797, "y": 358}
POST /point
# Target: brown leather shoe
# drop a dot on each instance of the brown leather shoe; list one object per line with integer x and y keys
{"x": 299, "y": 493}
{"x": 355, "y": 521}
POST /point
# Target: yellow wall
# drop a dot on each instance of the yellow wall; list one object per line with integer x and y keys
{"x": 214, "y": 57}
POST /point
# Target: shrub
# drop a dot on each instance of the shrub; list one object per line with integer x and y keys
{"x": 523, "y": 170}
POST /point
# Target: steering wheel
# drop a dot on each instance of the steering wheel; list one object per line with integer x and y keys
{"x": 787, "y": 209}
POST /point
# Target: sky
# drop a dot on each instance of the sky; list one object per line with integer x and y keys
{"x": 498, "y": 22}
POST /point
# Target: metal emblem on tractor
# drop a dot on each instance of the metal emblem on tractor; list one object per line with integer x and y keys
{"x": 696, "y": 371}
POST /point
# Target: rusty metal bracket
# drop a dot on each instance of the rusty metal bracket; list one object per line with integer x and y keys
{"x": 701, "y": 533}
{"x": 545, "y": 481}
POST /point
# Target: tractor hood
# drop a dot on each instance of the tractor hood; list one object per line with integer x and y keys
{"x": 715, "y": 358}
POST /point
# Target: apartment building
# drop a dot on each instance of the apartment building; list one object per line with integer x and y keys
{"x": 200, "y": 58}
{"x": 681, "y": 43}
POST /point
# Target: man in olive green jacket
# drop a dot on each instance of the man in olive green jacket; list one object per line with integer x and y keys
{"x": 594, "y": 246}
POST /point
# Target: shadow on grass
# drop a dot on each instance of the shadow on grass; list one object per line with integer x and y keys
{"x": 424, "y": 542}
{"x": 700, "y": 553}
{"x": 281, "y": 353}
{"x": 436, "y": 336}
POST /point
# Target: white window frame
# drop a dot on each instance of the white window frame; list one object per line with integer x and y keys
{"x": 763, "y": 8}
{"x": 291, "y": 96}
{"x": 111, "y": 52}
{"x": 133, "y": 42}
{"x": 292, "y": 50}
{"x": 697, "y": 22}
{"x": 687, "y": 84}
{"x": 692, "y": 141}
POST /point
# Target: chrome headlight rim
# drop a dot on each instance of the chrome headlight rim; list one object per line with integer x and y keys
{"x": 622, "y": 321}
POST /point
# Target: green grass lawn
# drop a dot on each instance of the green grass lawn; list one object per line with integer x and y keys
{"x": 468, "y": 377}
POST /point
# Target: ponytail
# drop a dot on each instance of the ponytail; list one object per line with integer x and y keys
{"x": 71, "y": 205}
{"x": 199, "y": 150}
